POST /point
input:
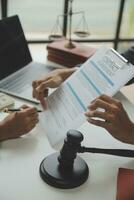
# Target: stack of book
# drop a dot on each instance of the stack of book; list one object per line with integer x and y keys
{"x": 59, "y": 53}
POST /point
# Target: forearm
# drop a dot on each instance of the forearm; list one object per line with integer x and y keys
{"x": 3, "y": 130}
{"x": 127, "y": 134}
{"x": 131, "y": 134}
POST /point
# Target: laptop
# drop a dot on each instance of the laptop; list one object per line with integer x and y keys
{"x": 17, "y": 70}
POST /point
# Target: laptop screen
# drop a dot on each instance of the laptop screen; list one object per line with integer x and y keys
{"x": 14, "y": 51}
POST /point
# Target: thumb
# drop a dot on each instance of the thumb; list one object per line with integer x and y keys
{"x": 43, "y": 101}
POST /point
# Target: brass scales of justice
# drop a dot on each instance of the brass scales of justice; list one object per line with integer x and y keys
{"x": 80, "y": 31}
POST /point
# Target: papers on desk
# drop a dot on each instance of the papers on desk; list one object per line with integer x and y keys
{"x": 104, "y": 73}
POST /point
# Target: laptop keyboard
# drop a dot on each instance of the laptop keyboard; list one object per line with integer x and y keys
{"x": 22, "y": 80}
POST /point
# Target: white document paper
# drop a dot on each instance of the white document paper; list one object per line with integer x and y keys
{"x": 104, "y": 73}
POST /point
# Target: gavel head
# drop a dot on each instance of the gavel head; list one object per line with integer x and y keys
{"x": 70, "y": 148}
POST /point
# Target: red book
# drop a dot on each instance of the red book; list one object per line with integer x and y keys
{"x": 78, "y": 54}
{"x": 63, "y": 62}
{"x": 65, "y": 56}
{"x": 80, "y": 50}
{"x": 125, "y": 184}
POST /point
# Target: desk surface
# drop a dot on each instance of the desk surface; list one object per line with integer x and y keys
{"x": 20, "y": 160}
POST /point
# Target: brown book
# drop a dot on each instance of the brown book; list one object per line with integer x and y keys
{"x": 66, "y": 56}
{"x": 63, "y": 62}
{"x": 80, "y": 50}
{"x": 58, "y": 53}
{"x": 64, "y": 59}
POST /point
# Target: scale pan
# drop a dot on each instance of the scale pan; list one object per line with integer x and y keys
{"x": 81, "y": 33}
{"x": 55, "y": 37}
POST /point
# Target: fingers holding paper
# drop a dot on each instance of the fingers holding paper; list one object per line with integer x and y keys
{"x": 52, "y": 80}
{"x": 38, "y": 94}
{"x": 109, "y": 113}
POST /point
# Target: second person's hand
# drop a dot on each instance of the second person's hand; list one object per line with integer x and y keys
{"x": 19, "y": 123}
{"x": 52, "y": 80}
{"x": 113, "y": 118}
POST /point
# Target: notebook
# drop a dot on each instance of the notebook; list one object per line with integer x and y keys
{"x": 17, "y": 70}
{"x": 125, "y": 184}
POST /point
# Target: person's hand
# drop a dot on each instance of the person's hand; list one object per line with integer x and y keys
{"x": 52, "y": 80}
{"x": 114, "y": 118}
{"x": 19, "y": 123}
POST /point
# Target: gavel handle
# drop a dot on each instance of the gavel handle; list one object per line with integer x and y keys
{"x": 116, "y": 152}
